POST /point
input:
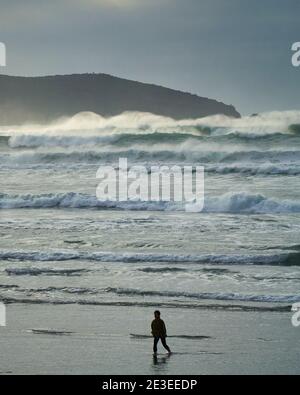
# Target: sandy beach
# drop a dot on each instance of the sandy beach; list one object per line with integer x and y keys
{"x": 100, "y": 342}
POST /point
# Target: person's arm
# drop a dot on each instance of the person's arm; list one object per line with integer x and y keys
{"x": 164, "y": 329}
{"x": 152, "y": 327}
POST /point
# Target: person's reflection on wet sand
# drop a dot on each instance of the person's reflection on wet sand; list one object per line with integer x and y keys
{"x": 160, "y": 360}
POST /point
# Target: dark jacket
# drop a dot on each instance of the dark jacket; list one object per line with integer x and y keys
{"x": 158, "y": 328}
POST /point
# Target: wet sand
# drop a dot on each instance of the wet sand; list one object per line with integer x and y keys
{"x": 50, "y": 339}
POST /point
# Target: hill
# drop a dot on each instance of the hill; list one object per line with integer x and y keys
{"x": 44, "y": 99}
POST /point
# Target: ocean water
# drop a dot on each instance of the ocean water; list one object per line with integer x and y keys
{"x": 60, "y": 245}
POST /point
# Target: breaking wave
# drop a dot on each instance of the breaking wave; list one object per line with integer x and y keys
{"x": 120, "y": 139}
{"x": 285, "y": 259}
{"x": 265, "y": 144}
{"x": 208, "y": 295}
{"x": 235, "y": 203}
{"x": 130, "y": 292}
{"x": 197, "y": 135}
{"x": 285, "y": 122}
{"x": 171, "y": 298}
{"x": 179, "y": 154}
{"x": 91, "y": 138}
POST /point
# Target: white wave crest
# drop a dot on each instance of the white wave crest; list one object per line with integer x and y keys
{"x": 237, "y": 203}
{"x": 209, "y": 295}
{"x": 213, "y": 259}
{"x": 261, "y": 124}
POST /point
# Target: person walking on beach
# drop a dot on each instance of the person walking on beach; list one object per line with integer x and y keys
{"x": 159, "y": 331}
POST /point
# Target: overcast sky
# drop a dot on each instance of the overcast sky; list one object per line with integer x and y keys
{"x": 237, "y": 51}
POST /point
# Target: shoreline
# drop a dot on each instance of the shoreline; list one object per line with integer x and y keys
{"x": 259, "y": 307}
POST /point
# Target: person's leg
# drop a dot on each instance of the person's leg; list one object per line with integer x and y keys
{"x": 156, "y": 340}
{"x": 163, "y": 341}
